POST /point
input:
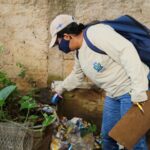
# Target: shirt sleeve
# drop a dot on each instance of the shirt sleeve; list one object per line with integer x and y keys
{"x": 73, "y": 80}
{"x": 124, "y": 53}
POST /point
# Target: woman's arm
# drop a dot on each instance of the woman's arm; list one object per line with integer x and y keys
{"x": 73, "y": 80}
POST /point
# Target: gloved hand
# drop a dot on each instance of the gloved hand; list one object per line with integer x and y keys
{"x": 56, "y": 98}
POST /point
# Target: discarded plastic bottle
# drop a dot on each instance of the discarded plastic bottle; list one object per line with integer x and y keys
{"x": 69, "y": 146}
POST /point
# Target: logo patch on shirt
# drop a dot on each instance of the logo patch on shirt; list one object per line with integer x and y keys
{"x": 98, "y": 67}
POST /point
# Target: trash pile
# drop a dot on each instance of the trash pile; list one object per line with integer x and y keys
{"x": 74, "y": 134}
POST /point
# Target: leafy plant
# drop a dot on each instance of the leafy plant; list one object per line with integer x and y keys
{"x": 1, "y": 48}
{"x": 27, "y": 102}
{"x": 15, "y": 107}
{"x": 4, "y": 80}
{"x": 48, "y": 119}
{"x": 4, "y": 93}
{"x": 23, "y": 74}
{"x": 33, "y": 117}
{"x": 23, "y": 70}
{"x": 90, "y": 129}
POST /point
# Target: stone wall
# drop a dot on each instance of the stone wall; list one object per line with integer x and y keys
{"x": 24, "y": 33}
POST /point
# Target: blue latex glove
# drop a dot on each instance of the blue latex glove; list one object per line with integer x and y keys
{"x": 56, "y": 98}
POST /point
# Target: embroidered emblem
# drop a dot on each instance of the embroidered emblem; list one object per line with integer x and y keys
{"x": 59, "y": 26}
{"x": 98, "y": 67}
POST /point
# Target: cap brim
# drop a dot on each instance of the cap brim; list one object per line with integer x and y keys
{"x": 53, "y": 41}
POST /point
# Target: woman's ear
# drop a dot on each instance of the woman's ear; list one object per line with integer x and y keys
{"x": 67, "y": 36}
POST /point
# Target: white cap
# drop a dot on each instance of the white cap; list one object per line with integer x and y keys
{"x": 59, "y": 23}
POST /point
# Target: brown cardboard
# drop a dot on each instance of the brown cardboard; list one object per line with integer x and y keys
{"x": 133, "y": 125}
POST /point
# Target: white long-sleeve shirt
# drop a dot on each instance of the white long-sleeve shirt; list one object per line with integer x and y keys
{"x": 120, "y": 71}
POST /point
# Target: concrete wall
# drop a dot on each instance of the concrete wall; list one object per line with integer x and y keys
{"x": 24, "y": 33}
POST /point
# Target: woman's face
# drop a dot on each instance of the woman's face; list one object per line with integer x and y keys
{"x": 73, "y": 41}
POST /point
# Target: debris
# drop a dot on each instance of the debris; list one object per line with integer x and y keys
{"x": 47, "y": 109}
{"x": 74, "y": 134}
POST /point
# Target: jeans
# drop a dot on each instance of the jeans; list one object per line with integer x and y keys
{"x": 114, "y": 109}
{"x": 149, "y": 80}
{"x": 148, "y": 76}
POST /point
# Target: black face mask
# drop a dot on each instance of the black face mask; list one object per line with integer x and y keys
{"x": 64, "y": 46}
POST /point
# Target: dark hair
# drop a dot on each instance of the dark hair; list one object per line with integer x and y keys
{"x": 72, "y": 28}
{"x": 75, "y": 28}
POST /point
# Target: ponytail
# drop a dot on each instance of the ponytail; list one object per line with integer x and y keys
{"x": 75, "y": 28}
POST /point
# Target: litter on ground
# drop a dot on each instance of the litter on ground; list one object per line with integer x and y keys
{"x": 74, "y": 134}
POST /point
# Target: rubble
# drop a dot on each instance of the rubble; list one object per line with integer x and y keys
{"x": 74, "y": 134}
